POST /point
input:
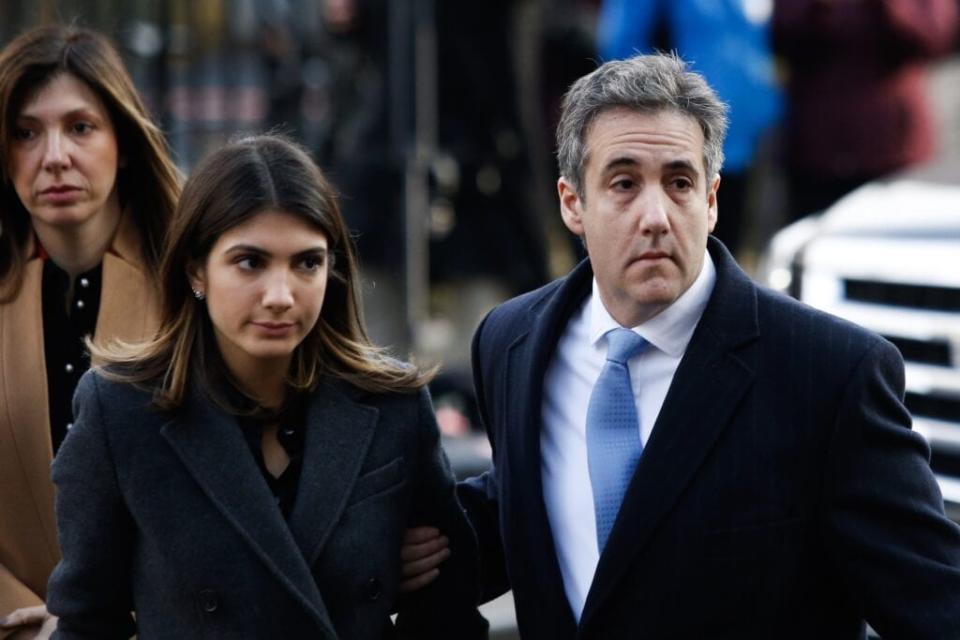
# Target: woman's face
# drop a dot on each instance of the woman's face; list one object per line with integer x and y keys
{"x": 264, "y": 282}
{"x": 64, "y": 154}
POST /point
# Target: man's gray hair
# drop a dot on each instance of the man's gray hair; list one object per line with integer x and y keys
{"x": 647, "y": 83}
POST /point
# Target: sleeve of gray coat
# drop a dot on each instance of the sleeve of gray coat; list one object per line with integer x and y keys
{"x": 446, "y": 608}
{"x": 90, "y": 589}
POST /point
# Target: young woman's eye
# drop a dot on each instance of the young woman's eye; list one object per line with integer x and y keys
{"x": 311, "y": 263}
{"x": 249, "y": 263}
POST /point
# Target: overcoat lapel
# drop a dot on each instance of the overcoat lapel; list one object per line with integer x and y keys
{"x": 129, "y": 307}
{"x": 212, "y": 448}
{"x": 339, "y": 433}
{"x": 708, "y": 385}
{"x": 527, "y": 362}
{"x": 26, "y": 439}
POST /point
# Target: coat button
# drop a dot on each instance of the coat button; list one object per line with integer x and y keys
{"x": 372, "y": 589}
{"x": 209, "y": 600}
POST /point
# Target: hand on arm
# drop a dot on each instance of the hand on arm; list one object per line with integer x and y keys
{"x": 445, "y": 606}
{"x": 424, "y": 550}
{"x": 29, "y": 618}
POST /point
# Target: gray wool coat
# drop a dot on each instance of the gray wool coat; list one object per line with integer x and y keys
{"x": 168, "y": 516}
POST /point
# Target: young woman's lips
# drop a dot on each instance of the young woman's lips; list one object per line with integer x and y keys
{"x": 274, "y": 328}
{"x": 60, "y": 194}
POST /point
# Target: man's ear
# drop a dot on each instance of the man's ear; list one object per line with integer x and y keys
{"x": 571, "y": 206}
{"x": 712, "y": 208}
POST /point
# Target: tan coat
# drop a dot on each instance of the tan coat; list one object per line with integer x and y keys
{"x": 28, "y": 536}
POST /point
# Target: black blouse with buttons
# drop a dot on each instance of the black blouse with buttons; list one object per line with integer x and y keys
{"x": 65, "y": 324}
{"x": 292, "y": 419}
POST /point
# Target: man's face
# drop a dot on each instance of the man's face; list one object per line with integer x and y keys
{"x": 646, "y": 209}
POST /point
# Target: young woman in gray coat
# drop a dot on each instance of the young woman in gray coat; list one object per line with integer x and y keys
{"x": 251, "y": 471}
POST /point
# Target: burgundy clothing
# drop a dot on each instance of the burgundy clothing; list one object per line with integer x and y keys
{"x": 857, "y": 81}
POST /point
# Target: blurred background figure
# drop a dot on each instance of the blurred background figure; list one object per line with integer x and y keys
{"x": 858, "y": 96}
{"x": 726, "y": 41}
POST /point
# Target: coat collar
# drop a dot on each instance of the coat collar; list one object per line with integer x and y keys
{"x": 711, "y": 379}
{"x": 340, "y": 431}
{"x": 210, "y": 444}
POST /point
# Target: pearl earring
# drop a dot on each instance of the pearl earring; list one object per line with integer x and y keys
{"x": 198, "y": 294}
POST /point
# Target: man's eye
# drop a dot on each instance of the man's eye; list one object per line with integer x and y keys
{"x": 623, "y": 184}
{"x": 682, "y": 183}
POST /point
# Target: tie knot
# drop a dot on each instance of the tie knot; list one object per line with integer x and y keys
{"x": 623, "y": 344}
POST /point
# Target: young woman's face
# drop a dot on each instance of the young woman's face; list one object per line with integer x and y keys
{"x": 64, "y": 154}
{"x": 264, "y": 282}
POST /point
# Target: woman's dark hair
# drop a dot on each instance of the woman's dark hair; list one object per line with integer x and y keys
{"x": 230, "y": 186}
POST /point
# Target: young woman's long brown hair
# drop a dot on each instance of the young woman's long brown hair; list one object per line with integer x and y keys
{"x": 148, "y": 184}
{"x": 228, "y": 187}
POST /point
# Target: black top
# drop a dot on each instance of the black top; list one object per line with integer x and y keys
{"x": 292, "y": 419}
{"x": 64, "y": 328}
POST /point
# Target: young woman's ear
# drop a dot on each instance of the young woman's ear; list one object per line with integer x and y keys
{"x": 197, "y": 279}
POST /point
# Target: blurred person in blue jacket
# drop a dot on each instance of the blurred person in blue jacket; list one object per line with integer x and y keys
{"x": 727, "y": 42}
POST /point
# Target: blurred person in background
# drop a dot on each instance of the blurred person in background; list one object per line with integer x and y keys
{"x": 857, "y": 93}
{"x": 88, "y": 190}
{"x": 727, "y": 42}
{"x": 480, "y": 172}
{"x": 250, "y": 471}
{"x": 486, "y": 234}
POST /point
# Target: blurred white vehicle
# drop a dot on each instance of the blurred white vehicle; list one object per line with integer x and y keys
{"x": 887, "y": 257}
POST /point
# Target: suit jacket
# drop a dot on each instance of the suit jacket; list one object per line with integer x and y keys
{"x": 167, "y": 514}
{"x": 28, "y": 537}
{"x": 781, "y": 493}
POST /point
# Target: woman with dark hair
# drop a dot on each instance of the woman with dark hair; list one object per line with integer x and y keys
{"x": 250, "y": 472}
{"x": 87, "y": 188}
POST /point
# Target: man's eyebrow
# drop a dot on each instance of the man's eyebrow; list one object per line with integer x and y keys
{"x": 622, "y": 161}
{"x": 681, "y": 164}
{"x": 627, "y": 161}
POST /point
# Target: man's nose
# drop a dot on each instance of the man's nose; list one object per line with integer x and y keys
{"x": 56, "y": 156}
{"x": 652, "y": 215}
{"x": 278, "y": 293}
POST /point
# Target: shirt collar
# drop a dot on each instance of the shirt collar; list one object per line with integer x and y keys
{"x": 671, "y": 329}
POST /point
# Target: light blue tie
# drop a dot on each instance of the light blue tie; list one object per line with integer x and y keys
{"x": 613, "y": 431}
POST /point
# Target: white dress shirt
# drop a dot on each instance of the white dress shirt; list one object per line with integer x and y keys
{"x": 571, "y": 375}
